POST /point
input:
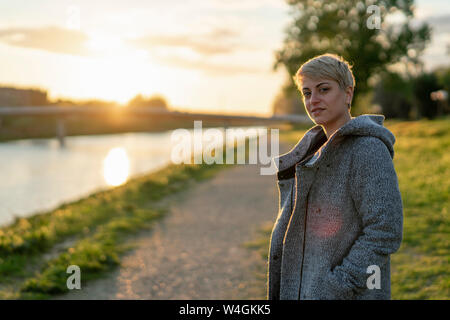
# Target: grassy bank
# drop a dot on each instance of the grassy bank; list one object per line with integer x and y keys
{"x": 90, "y": 233}
{"x": 419, "y": 270}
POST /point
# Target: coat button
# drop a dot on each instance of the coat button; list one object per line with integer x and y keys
{"x": 275, "y": 257}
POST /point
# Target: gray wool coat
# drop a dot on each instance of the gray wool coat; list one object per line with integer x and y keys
{"x": 340, "y": 214}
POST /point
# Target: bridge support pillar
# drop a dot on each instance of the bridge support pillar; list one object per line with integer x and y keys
{"x": 61, "y": 132}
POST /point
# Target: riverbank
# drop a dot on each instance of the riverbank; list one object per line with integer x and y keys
{"x": 90, "y": 233}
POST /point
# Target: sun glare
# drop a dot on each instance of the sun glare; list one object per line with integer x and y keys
{"x": 116, "y": 167}
{"x": 118, "y": 71}
{"x": 101, "y": 43}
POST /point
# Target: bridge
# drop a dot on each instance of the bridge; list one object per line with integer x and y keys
{"x": 62, "y": 112}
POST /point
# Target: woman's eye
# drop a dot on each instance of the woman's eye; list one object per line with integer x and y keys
{"x": 306, "y": 94}
{"x": 323, "y": 89}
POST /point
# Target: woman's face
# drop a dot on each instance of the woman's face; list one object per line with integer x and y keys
{"x": 325, "y": 101}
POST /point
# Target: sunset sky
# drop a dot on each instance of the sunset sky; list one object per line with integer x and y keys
{"x": 202, "y": 55}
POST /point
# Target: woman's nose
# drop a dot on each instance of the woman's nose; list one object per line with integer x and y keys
{"x": 314, "y": 98}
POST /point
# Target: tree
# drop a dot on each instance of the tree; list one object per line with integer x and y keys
{"x": 154, "y": 101}
{"x": 424, "y": 84}
{"x": 443, "y": 75}
{"x": 395, "y": 95}
{"x": 342, "y": 27}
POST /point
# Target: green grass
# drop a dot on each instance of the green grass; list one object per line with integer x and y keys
{"x": 91, "y": 233}
{"x": 260, "y": 243}
{"x": 420, "y": 269}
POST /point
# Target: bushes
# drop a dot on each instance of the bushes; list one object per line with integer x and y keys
{"x": 410, "y": 97}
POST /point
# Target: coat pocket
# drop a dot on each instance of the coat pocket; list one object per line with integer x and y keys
{"x": 332, "y": 289}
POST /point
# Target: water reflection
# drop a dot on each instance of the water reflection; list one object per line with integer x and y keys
{"x": 116, "y": 167}
{"x": 43, "y": 175}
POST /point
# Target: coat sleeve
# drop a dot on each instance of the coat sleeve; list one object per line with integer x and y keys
{"x": 376, "y": 196}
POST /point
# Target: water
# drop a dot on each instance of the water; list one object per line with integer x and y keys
{"x": 37, "y": 175}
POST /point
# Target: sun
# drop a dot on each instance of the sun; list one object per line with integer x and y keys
{"x": 118, "y": 71}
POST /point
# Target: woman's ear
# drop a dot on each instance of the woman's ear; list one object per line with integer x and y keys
{"x": 348, "y": 95}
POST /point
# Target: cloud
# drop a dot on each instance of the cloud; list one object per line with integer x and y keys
{"x": 440, "y": 23}
{"x": 170, "y": 49}
{"x": 217, "y": 41}
{"x": 52, "y": 39}
{"x": 166, "y": 49}
{"x": 210, "y": 68}
{"x": 247, "y": 4}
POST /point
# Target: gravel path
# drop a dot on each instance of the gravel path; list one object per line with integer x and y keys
{"x": 196, "y": 251}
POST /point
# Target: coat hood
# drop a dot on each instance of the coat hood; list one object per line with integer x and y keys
{"x": 364, "y": 125}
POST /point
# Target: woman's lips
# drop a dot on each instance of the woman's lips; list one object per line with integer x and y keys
{"x": 317, "y": 111}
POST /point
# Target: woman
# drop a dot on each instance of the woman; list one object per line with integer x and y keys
{"x": 340, "y": 209}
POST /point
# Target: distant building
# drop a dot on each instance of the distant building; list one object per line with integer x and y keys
{"x": 10, "y": 97}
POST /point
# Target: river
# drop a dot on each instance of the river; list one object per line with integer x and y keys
{"x": 38, "y": 175}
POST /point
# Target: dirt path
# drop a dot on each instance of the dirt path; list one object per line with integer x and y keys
{"x": 195, "y": 251}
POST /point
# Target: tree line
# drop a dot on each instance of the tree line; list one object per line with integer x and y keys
{"x": 12, "y": 96}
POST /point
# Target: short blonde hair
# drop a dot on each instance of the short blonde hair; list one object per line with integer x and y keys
{"x": 326, "y": 66}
